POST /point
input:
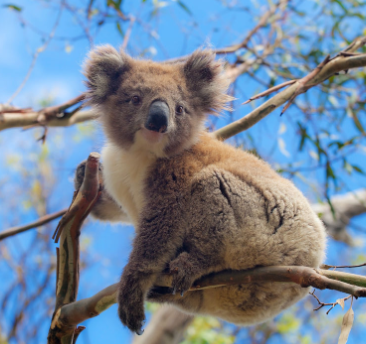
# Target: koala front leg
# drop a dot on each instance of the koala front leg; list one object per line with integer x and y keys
{"x": 185, "y": 269}
{"x": 159, "y": 234}
{"x": 106, "y": 208}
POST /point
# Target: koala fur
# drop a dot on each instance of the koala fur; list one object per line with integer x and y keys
{"x": 198, "y": 205}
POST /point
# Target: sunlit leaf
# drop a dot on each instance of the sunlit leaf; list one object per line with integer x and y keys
{"x": 347, "y": 323}
{"x": 314, "y": 155}
{"x": 282, "y": 129}
{"x": 282, "y": 147}
{"x": 341, "y": 303}
{"x": 348, "y": 167}
{"x": 69, "y": 48}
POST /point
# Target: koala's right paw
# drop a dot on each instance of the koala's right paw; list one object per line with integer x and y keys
{"x": 80, "y": 173}
{"x": 183, "y": 273}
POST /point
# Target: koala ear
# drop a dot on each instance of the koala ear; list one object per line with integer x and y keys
{"x": 103, "y": 69}
{"x": 206, "y": 82}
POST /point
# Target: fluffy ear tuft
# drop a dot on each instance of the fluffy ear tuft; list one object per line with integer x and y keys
{"x": 206, "y": 82}
{"x": 103, "y": 69}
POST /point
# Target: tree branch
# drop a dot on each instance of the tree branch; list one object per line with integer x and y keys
{"x": 265, "y": 19}
{"x": 72, "y": 314}
{"x": 68, "y": 231}
{"x": 14, "y": 120}
{"x": 346, "y": 206}
{"x": 325, "y": 70}
{"x": 36, "y": 54}
{"x": 167, "y": 326}
{"x": 40, "y": 222}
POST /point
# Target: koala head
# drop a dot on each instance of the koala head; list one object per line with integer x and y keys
{"x": 160, "y": 106}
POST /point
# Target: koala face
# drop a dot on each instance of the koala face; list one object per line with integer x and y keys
{"x": 160, "y": 106}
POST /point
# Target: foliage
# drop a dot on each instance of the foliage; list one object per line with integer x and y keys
{"x": 319, "y": 142}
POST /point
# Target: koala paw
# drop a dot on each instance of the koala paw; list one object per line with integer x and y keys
{"x": 131, "y": 305}
{"x": 80, "y": 173}
{"x": 183, "y": 273}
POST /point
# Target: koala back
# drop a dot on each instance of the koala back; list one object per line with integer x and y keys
{"x": 237, "y": 214}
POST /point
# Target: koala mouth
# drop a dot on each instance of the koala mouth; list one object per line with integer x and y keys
{"x": 151, "y": 135}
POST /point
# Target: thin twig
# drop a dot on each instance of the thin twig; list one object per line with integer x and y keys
{"x": 324, "y": 304}
{"x": 262, "y": 22}
{"x": 36, "y": 54}
{"x": 243, "y": 44}
{"x": 128, "y": 33}
{"x": 89, "y": 9}
{"x": 303, "y": 84}
{"x": 325, "y": 266}
{"x": 40, "y": 222}
{"x": 323, "y": 71}
{"x": 269, "y": 91}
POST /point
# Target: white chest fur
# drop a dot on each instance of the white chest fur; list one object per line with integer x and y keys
{"x": 124, "y": 175}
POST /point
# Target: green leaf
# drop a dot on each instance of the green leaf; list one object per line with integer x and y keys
{"x": 357, "y": 123}
{"x": 304, "y": 136}
{"x": 114, "y": 4}
{"x": 341, "y": 5}
{"x": 331, "y": 206}
{"x": 330, "y": 173}
{"x": 184, "y": 7}
{"x": 120, "y": 29}
{"x": 357, "y": 169}
{"x": 13, "y": 7}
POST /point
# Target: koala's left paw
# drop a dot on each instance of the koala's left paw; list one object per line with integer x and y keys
{"x": 182, "y": 271}
{"x": 131, "y": 306}
{"x": 80, "y": 173}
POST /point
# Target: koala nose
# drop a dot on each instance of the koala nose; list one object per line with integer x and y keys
{"x": 158, "y": 117}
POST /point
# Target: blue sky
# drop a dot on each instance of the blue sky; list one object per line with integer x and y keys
{"x": 57, "y": 76}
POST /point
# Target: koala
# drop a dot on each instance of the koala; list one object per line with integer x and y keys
{"x": 198, "y": 205}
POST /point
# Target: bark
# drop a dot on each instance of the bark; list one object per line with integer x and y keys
{"x": 346, "y": 207}
{"x": 68, "y": 231}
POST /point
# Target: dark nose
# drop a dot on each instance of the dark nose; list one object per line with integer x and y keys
{"x": 158, "y": 117}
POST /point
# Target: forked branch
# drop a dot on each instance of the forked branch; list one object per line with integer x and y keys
{"x": 68, "y": 232}
{"x": 328, "y": 68}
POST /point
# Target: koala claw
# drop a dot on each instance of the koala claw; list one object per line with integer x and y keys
{"x": 182, "y": 293}
{"x": 140, "y": 332}
{"x": 132, "y": 317}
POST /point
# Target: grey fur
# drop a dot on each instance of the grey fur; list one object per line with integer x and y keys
{"x": 198, "y": 205}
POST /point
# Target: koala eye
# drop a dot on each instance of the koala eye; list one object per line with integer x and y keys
{"x": 136, "y": 100}
{"x": 179, "y": 110}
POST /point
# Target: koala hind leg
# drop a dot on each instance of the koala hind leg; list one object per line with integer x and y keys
{"x": 106, "y": 208}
